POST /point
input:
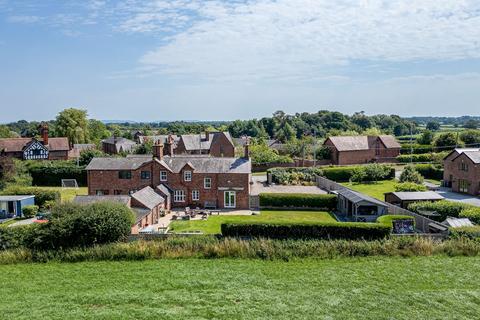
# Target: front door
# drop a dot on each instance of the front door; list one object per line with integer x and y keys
{"x": 463, "y": 186}
{"x": 11, "y": 207}
{"x": 230, "y": 199}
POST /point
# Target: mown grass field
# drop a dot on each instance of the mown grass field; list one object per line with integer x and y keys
{"x": 68, "y": 194}
{"x": 364, "y": 288}
{"x": 376, "y": 190}
{"x": 213, "y": 223}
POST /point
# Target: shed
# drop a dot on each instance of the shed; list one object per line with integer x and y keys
{"x": 458, "y": 222}
{"x": 12, "y": 206}
{"x": 403, "y": 199}
{"x": 358, "y": 206}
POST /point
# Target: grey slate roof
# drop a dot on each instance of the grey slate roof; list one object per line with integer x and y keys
{"x": 148, "y": 197}
{"x": 209, "y": 164}
{"x": 357, "y": 197}
{"x": 130, "y": 163}
{"x": 473, "y": 155}
{"x": 418, "y": 195}
{"x": 121, "y": 144}
{"x": 140, "y": 213}
{"x": 199, "y": 142}
{"x": 94, "y": 199}
{"x": 158, "y": 138}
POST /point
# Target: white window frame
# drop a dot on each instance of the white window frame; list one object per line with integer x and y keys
{"x": 205, "y": 183}
{"x": 179, "y": 196}
{"x": 187, "y": 174}
{"x": 195, "y": 195}
{"x": 163, "y": 175}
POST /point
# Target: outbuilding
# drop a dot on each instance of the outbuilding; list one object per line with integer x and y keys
{"x": 359, "y": 207}
{"x": 403, "y": 199}
{"x": 12, "y": 206}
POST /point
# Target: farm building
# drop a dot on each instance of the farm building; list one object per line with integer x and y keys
{"x": 359, "y": 207}
{"x": 403, "y": 199}
{"x": 12, "y": 206}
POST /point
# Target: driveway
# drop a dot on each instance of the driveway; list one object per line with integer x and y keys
{"x": 260, "y": 186}
{"x": 460, "y": 197}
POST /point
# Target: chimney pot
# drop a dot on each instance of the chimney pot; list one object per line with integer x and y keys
{"x": 44, "y": 133}
{"x": 247, "y": 149}
{"x": 158, "y": 151}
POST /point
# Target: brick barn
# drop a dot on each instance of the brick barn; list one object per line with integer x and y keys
{"x": 346, "y": 150}
{"x": 190, "y": 180}
{"x": 462, "y": 171}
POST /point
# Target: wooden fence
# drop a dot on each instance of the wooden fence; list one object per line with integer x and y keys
{"x": 422, "y": 223}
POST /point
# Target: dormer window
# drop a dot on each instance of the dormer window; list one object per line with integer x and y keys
{"x": 187, "y": 175}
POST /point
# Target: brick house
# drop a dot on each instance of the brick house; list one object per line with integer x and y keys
{"x": 43, "y": 148}
{"x": 188, "y": 180}
{"x": 462, "y": 171}
{"x": 116, "y": 145}
{"x": 147, "y": 205}
{"x": 215, "y": 144}
{"x": 347, "y": 150}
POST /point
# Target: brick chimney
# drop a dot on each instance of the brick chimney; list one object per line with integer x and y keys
{"x": 158, "y": 151}
{"x": 247, "y": 149}
{"x": 207, "y": 135}
{"x": 169, "y": 145}
{"x": 44, "y": 133}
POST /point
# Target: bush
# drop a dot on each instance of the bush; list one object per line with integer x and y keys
{"x": 388, "y": 219}
{"x": 345, "y": 174}
{"x": 465, "y": 232}
{"x": 444, "y": 207}
{"x": 51, "y": 173}
{"x": 87, "y": 155}
{"x": 409, "y": 174}
{"x": 422, "y": 157}
{"x": 11, "y": 238}
{"x": 41, "y": 195}
{"x": 298, "y": 200}
{"x": 30, "y": 211}
{"x": 430, "y": 171}
{"x": 344, "y": 230}
{"x": 471, "y": 213}
{"x": 415, "y": 148}
{"x": 409, "y": 186}
{"x": 294, "y": 176}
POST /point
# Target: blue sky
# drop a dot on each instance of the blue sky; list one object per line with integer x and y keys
{"x": 215, "y": 60}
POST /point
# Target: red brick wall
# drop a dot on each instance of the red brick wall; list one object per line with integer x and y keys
{"x": 472, "y": 176}
{"x": 222, "y": 147}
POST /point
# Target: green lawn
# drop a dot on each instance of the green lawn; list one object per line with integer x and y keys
{"x": 212, "y": 224}
{"x": 375, "y": 190}
{"x": 363, "y": 288}
{"x": 68, "y": 193}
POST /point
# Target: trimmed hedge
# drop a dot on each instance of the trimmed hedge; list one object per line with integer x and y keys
{"x": 337, "y": 230}
{"x": 388, "y": 219}
{"x": 444, "y": 207}
{"x": 422, "y": 157}
{"x": 294, "y": 175}
{"x": 465, "y": 232}
{"x": 472, "y": 213}
{"x": 430, "y": 171}
{"x": 51, "y": 173}
{"x": 407, "y": 148}
{"x": 409, "y": 186}
{"x": 298, "y": 200}
{"x": 30, "y": 211}
{"x": 344, "y": 174}
{"x": 41, "y": 195}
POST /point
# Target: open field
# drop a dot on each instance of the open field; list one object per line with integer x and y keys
{"x": 364, "y": 288}
{"x": 212, "y": 224}
{"x": 375, "y": 190}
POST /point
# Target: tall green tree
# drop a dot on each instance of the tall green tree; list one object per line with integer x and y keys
{"x": 73, "y": 124}
{"x": 97, "y": 130}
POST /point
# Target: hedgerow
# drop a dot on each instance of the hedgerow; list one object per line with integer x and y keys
{"x": 298, "y": 200}
{"x": 444, "y": 207}
{"x": 41, "y": 195}
{"x": 430, "y": 171}
{"x": 389, "y": 218}
{"x": 344, "y": 174}
{"x": 295, "y": 175}
{"x": 472, "y": 213}
{"x": 51, "y": 173}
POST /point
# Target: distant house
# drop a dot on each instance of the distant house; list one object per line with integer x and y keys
{"x": 43, "y": 148}
{"x": 78, "y": 148}
{"x": 462, "y": 171}
{"x": 403, "y": 199}
{"x": 347, "y": 150}
{"x": 357, "y": 206}
{"x": 116, "y": 145}
{"x": 147, "y": 205}
{"x": 12, "y": 206}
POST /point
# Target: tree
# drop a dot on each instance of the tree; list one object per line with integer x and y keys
{"x": 470, "y": 136}
{"x": 409, "y": 174}
{"x": 97, "y": 130}
{"x": 72, "y": 123}
{"x": 433, "y": 125}
{"x": 471, "y": 124}
{"x": 5, "y": 132}
{"x": 426, "y": 137}
{"x": 446, "y": 140}
{"x": 285, "y": 133}
{"x": 87, "y": 155}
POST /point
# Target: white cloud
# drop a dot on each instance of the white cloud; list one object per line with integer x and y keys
{"x": 24, "y": 19}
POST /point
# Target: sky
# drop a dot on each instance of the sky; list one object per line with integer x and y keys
{"x": 239, "y": 59}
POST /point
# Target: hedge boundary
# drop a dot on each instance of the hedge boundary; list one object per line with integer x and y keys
{"x": 298, "y": 200}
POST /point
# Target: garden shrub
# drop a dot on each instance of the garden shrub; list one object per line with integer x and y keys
{"x": 339, "y": 230}
{"x": 51, "y": 173}
{"x": 444, "y": 207}
{"x": 465, "y": 232}
{"x": 295, "y": 175}
{"x": 298, "y": 200}
{"x": 41, "y": 195}
{"x": 471, "y": 213}
{"x": 15, "y": 237}
{"x": 72, "y": 225}
{"x": 430, "y": 171}
{"x": 409, "y": 174}
{"x": 409, "y": 186}
{"x": 371, "y": 172}
{"x": 30, "y": 211}
{"x": 388, "y": 219}
{"x": 416, "y": 148}
{"x": 423, "y": 157}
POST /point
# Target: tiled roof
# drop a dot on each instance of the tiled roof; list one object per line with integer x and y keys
{"x": 157, "y": 138}
{"x": 130, "y": 163}
{"x": 18, "y": 144}
{"x": 353, "y": 143}
{"x": 357, "y": 197}
{"x": 389, "y": 141}
{"x": 199, "y": 142}
{"x": 473, "y": 155}
{"x": 418, "y": 195}
{"x": 148, "y": 197}
{"x": 94, "y": 199}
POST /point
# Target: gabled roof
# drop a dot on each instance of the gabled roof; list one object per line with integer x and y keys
{"x": 199, "y": 141}
{"x": 357, "y": 197}
{"x": 417, "y": 195}
{"x": 355, "y": 143}
{"x": 130, "y": 163}
{"x": 148, "y": 197}
{"x": 18, "y": 144}
{"x": 158, "y": 138}
{"x": 472, "y": 155}
{"x": 459, "y": 151}
{"x": 458, "y": 222}
{"x": 389, "y": 141}
{"x": 94, "y": 199}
